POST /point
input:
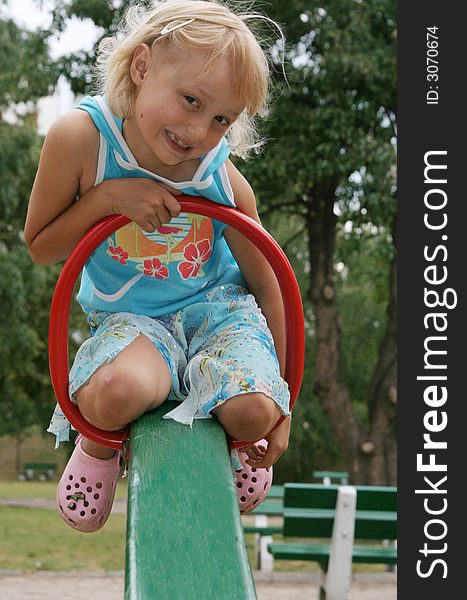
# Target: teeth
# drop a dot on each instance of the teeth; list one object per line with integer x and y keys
{"x": 175, "y": 139}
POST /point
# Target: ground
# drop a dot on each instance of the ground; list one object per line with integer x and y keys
{"x": 287, "y": 586}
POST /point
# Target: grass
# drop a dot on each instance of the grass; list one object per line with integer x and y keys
{"x": 39, "y": 539}
{"x": 44, "y": 489}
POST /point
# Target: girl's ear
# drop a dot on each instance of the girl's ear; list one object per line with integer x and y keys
{"x": 140, "y": 63}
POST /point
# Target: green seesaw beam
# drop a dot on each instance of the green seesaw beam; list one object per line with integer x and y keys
{"x": 184, "y": 533}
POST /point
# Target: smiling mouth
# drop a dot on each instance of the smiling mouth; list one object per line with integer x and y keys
{"x": 176, "y": 143}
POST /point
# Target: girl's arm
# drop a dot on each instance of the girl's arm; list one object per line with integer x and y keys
{"x": 55, "y": 221}
{"x": 258, "y": 274}
{"x": 262, "y": 283}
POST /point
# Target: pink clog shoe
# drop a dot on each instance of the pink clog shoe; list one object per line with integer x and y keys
{"x": 86, "y": 490}
{"x": 252, "y": 483}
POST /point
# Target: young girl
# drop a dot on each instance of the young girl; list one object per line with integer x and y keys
{"x": 172, "y": 299}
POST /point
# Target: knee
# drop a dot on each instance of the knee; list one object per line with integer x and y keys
{"x": 249, "y": 416}
{"x": 115, "y": 395}
{"x": 112, "y": 391}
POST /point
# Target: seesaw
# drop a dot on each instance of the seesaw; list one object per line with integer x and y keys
{"x": 184, "y": 532}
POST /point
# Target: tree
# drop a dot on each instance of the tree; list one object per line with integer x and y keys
{"x": 331, "y": 164}
{"x": 334, "y": 129}
{"x": 106, "y": 14}
{"x": 26, "y": 74}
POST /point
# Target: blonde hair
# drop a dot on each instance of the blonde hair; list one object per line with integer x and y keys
{"x": 216, "y": 29}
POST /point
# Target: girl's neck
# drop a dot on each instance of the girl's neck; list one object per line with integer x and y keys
{"x": 184, "y": 171}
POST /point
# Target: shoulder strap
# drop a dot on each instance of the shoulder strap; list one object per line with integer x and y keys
{"x": 108, "y": 124}
{"x": 211, "y": 161}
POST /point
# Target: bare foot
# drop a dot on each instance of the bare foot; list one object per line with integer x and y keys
{"x": 96, "y": 450}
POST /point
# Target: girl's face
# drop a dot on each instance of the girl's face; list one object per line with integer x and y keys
{"x": 180, "y": 112}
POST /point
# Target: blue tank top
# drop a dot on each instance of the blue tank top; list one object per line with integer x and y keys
{"x": 162, "y": 272}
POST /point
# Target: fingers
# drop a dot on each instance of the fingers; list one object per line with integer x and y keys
{"x": 148, "y": 203}
{"x": 256, "y": 452}
{"x": 252, "y": 452}
{"x": 262, "y": 457}
{"x": 153, "y": 221}
{"x": 163, "y": 216}
{"x": 172, "y": 205}
{"x": 266, "y": 461}
{"x": 147, "y": 226}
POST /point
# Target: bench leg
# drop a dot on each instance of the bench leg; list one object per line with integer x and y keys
{"x": 390, "y": 544}
{"x": 339, "y": 572}
{"x": 264, "y": 559}
{"x": 322, "y": 583}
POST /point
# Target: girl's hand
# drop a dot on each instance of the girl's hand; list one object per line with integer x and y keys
{"x": 278, "y": 442}
{"x": 149, "y": 203}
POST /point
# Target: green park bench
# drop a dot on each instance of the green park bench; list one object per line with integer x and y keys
{"x": 272, "y": 506}
{"x": 329, "y": 477}
{"x": 44, "y": 471}
{"x": 342, "y": 514}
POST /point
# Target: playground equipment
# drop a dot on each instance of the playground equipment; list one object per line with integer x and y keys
{"x": 184, "y": 533}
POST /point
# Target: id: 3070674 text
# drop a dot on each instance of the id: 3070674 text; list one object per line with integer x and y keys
{"x": 432, "y": 68}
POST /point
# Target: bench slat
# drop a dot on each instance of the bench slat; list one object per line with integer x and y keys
{"x": 271, "y": 508}
{"x": 316, "y": 552}
{"x": 38, "y": 466}
{"x": 304, "y": 495}
{"x": 276, "y": 530}
{"x": 276, "y": 492}
{"x": 369, "y": 525}
{"x": 321, "y": 552}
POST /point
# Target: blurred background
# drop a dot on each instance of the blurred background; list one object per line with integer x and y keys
{"x": 325, "y": 185}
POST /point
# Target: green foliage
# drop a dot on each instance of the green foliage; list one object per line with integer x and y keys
{"x": 21, "y": 50}
{"x": 334, "y": 120}
{"x": 19, "y": 148}
{"x": 24, "y": 384}
{"x": 25, "y": 289}
{"x": 362, "y": 301}
{"x": 106, "y": 14}
{"x": 312, "y": 442}
{"x": 26, "y": 73}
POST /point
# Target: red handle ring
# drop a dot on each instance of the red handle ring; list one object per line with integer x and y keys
{"x": 60, "y": 308}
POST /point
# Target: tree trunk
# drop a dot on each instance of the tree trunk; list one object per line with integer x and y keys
{"x": 329, "y": 387}
{"x": 370, "y": 455}
{"x": 382, "y": 394}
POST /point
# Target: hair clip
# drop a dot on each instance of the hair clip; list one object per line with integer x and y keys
{"x": 172, "y": 27}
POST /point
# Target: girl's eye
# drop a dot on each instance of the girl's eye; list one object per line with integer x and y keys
{"x": 223, "y": 121}
{"x": 191, "y": 100}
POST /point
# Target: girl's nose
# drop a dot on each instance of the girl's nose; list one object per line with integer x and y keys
{"x": 197, "y": 131}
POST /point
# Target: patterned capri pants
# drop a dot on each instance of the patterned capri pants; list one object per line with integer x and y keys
{"x": 215, "y": 349}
